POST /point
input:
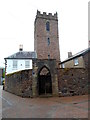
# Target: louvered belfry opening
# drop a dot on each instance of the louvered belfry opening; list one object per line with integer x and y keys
{"x": 44, "y": 81}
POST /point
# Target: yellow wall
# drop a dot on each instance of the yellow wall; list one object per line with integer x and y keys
{"x": 70, "y": 63}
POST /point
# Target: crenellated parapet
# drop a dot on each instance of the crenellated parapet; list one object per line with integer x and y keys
{"x": 44, "y": 15}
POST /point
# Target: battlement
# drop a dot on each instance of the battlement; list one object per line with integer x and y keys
{"x": 46, "y": 16}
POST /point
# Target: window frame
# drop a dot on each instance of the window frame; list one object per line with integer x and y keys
{"x": 27, "y": 65}
{"x": 63, "y": 65}
{"x": 76, "y": 62}
{"x": 48, "y": 26}
{"x": 48, "y": 39}
{"x": 15, "y": 64}
{"x": 48, "y": 56}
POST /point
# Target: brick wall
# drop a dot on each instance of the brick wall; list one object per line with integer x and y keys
{"x": 19, "y": 83}
{"x": 73, "y": 81}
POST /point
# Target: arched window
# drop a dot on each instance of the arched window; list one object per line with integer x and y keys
{"x": 47, "y": 26}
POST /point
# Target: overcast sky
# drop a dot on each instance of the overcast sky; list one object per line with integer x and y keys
{"x": 17, "y": 24}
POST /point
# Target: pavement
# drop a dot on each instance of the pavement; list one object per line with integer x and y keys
{"x": 52, "y": 107}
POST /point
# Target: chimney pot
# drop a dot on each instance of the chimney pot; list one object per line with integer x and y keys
{"x": 69, "y": 54}
{"x": 20, "y": 47}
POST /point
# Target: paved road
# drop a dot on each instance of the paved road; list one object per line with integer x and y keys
{"x": 55, "y": 107}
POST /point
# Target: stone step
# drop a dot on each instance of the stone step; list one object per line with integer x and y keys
{"x": 45, "y": 95}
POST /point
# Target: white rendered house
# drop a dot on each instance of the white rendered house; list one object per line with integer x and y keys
{"x": 19, "y": 61}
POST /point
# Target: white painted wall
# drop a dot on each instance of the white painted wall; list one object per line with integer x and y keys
{"x": 20, "y": 65}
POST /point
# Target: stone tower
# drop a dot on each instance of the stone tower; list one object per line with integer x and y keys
{"x": 46, "y": 38}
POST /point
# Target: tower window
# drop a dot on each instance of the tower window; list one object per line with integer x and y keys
{"x": 48, "y": 56}
{"x": 48, "y": 41}
{"x": 47, "y": 26}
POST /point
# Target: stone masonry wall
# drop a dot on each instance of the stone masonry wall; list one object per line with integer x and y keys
{"x": 20, "y": 83}
{"x": 37, "y": 67}
{"x": 87, "y": 60}
{"x": 41, "y": 36}
{"x": 73, "y": 81}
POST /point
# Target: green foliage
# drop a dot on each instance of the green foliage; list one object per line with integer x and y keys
{"x": 3, "y": 73}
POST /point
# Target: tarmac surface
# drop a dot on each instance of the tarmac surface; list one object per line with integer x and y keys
{"x": 52, "y": 107}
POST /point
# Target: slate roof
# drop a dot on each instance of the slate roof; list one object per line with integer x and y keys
{"x": 22, "y": 55}
{"x": 81, "y": 53}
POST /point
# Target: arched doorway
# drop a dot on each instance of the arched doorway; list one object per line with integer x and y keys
{"x": 44, "y": 81}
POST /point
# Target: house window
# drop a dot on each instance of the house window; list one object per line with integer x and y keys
{"x": 27, "y": 64}
{"x": 63, "y": 66}
{"x": 15, "y": 64}
{"x": 76, "y": 61}
{"x": 48, "y": 41}
{"x": 47, "y": 26}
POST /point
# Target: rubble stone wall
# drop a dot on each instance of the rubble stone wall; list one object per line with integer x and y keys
{"x": 19, "y": 83}
{"x": 72, "y": 81}
{"x": 86, "y": 60}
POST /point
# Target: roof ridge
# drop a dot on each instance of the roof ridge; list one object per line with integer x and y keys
{"x": 77, "y": 54}
{"x": 22, "y": 54}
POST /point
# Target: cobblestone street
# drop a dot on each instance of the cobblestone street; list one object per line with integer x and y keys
{"x": 53, "y": 107}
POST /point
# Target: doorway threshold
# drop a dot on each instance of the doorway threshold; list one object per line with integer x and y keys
{"x": 45, "y": 95}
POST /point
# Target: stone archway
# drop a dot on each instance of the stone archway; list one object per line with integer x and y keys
{"x": 44, "y": 70}
{"x": 44, "y": 81}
